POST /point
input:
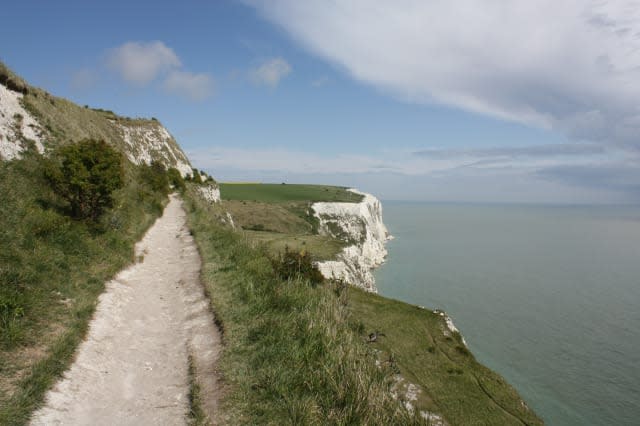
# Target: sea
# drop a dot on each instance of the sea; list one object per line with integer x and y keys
{"x": 547, "y": 296}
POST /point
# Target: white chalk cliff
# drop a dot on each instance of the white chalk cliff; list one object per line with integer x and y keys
{"x": 150, "y": 140}
{"x": 360, "y": 225}
{"x": 210, "y": 193}
{"x": 17, "y": 126}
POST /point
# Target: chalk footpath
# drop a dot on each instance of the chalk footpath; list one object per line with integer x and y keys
{"x": 133, "y": 367}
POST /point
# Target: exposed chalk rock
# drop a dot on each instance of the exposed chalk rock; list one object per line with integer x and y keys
{"x": 17, "y": 126}
{"x": 360, "y": 225}
{"x": 210, "y": 193}
{"x": 148, "y": 141}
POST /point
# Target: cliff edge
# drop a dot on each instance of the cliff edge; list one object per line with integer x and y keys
{"x": 359, "y": 225}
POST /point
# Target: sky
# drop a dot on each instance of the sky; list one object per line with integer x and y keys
{"x": 464, "y": 101}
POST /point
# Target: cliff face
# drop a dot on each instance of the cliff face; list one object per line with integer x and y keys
{"x": 17, "y": 126}
{"x": 359, "y": 225}
{"x": 31, "y": 117}
{"x": 149, "y": 140}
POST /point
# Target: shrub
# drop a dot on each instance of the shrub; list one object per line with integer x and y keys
{"x": 86, "y": 174}
{"x": 297, "y": 265}
{"x": 175, "y": 179}
{"x": 155, "y": 176}
{"x": 196, "y": 176}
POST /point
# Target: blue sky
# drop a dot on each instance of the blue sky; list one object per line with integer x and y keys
{"x": 417, "y": 100}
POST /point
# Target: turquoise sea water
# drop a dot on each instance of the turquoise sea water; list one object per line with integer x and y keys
{"x": 549, "y": 297}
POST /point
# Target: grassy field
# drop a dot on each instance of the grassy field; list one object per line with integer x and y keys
{"x": 52, "y": 270}
{"x": 272, "y": 193}
{"x": 280, "y": 216}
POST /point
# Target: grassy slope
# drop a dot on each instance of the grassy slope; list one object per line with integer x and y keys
{"x": 291, "y": 355}
{"x": 52, "y": 270}
{"x": 453, "y": 383}
{"x": 65, "y": 122}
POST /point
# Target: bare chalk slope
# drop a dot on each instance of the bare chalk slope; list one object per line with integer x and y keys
{"x": 133, "y": 366}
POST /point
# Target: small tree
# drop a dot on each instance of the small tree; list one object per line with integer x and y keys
{"x": 155, "y": 175}
{"x": 86, "y": 174}
{"x": 196, "y": 176}
{"x": 175, "y": 178}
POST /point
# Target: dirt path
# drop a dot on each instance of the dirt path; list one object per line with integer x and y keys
{"x": 133, "y": 366}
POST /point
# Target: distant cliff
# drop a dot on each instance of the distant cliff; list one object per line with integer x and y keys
{"x": 360, "y": 225}
{"x": 32, "y": 118}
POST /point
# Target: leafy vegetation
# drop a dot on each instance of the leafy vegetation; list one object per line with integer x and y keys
{"x": 296, "y": 265}
{"x": 52, "y": 270}
{"x": 291, "y": 354}
{"x": 86, "y": 174}
{"x": 155, "y": 176}
{"x": 175, "y": 179}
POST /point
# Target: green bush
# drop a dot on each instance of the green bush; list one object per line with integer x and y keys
{"x": 196, "y": 176}
{"x": 155, "y": 176}
{"x": 297, "y": 265}
{"x": 86, "y": 174}
{"x": 175, "y": 179}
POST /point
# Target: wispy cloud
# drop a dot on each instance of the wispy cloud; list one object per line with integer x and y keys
{"x": 568, "y": 172}
{"x": 270, "y": 72}
{"x": 571, "y": 65}
{"x": 193, "y": 86}
{"x": 141, "y": 63}
{"x": 532, "y": 151}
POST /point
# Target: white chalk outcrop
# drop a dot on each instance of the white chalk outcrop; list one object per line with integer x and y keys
{"x": 361, "y": 226}
{"x": 210, "y": 193}
{"x": 17, "y": 126}
{"x": 147, "y": 141}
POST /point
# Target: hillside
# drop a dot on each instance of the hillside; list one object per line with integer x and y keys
{"x": 31, "y": 117}
{"x": 54, "y": 264}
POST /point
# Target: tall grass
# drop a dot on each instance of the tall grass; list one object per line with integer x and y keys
{"x": 52, "y": 269}
{"x": 291, "y": 355}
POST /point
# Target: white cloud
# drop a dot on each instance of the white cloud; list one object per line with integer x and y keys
{"x": 194, "y": 86}
{"x": 270, "y": 72}
{"x": 569, "y": 65}
{"x": 141, "y": 63}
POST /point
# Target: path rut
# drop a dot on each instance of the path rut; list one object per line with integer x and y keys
{"x": 132, "y": 369}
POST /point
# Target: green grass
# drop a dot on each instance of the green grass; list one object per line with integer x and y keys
{"x": 453, "y": 383}
{"x": 291, "y": 355}
{"x": 280, "y": 216}
{"x": 275, "y": 193}
{"x": 197, "y": 416}
{"x": 320, "y": 246}
{"x": 52, "y": 270}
